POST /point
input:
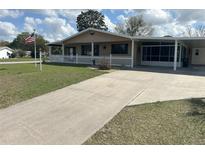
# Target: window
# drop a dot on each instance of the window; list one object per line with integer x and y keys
{"x": 155, "y": 53}
{"x": 119, "y": 49}
{"x": 68, "y": 50}
{"x": 149, "y": 50}
{"x": 144, "y": 54}
{"x": 86, "y": 50}
{"x": 56, "y": 50}
{"x": 171, "y": 54}
{"x": 164, "y": 53}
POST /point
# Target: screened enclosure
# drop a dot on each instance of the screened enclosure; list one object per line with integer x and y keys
{"x": 161, "y": 54}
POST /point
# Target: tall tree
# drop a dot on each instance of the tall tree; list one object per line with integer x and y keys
{"x": 91, "y": 19}
{"x": 19, "y": 43}
{"x": 135, "y": 26}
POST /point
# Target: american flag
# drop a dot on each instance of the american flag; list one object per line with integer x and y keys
{"x": 30, "y": 39}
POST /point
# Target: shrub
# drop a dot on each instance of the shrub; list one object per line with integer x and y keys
{"x": 104, "y": 65}
{"x": 21, "y": 53}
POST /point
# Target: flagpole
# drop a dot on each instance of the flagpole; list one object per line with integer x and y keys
{"x": 35, "y": 46}
{"x": 40, "y": 54}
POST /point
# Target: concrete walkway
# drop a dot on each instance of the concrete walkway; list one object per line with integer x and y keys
{"x": 69, "y": 115}
{"x": 72, "y": 114}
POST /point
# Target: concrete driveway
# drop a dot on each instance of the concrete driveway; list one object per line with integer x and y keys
{"x": 164, "y": 84}
{"x": 69, "y": 115}
{"x": 72, "y": 114}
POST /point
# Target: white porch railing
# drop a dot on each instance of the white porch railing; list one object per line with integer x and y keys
{"x": 79, "y": 59}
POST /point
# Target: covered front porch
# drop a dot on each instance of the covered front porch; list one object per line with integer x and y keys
{"x": 94, "y": 53}
{"x": 94, "y": 47}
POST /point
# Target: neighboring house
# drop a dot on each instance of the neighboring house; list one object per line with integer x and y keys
{"x": 28, "y": 53}
{"x": 5, "y": 52}
{"x": 121, "y": 50}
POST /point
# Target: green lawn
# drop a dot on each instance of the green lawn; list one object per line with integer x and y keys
{"x": 171, "y": 122}
{"x": 23, "y": 81}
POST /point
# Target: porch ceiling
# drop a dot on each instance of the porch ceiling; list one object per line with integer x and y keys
{"x": 195, "y": 43}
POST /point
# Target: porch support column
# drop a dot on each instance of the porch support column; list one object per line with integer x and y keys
{"x": 92, "y": 49}
{"x": 63, "y": 49}
{"x": 62, "y": 58}
{"x": 49, "y": 50}
{"x": 180, "y": 55}
{"x": 175, "y": 55}
{"x": 132, "y": 53}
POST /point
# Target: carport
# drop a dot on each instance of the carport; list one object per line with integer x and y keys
{"x": 197, "y": 50}
{"x": 171, "y": 51}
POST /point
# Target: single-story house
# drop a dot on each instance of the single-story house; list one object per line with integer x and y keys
{"x": 94, "y": 46}
{"x": 5, "y": 52}
{"x": 28, "y": 53}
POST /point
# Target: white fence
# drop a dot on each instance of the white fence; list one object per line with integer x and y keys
{"x": 19, "y": 62}
{"x": 111, "y": 60}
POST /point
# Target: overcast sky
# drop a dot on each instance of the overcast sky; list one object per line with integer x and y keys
{"x": 58, "y": 24}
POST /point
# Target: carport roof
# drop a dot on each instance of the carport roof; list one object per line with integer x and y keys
{"x": 197, "y": 43}
{"x": 136, "y": 38}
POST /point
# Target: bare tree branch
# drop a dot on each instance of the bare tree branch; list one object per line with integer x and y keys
{"x": 189, "y": 31}
{"x": 135, "y": 26}
{"x": 197, "y": 31}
